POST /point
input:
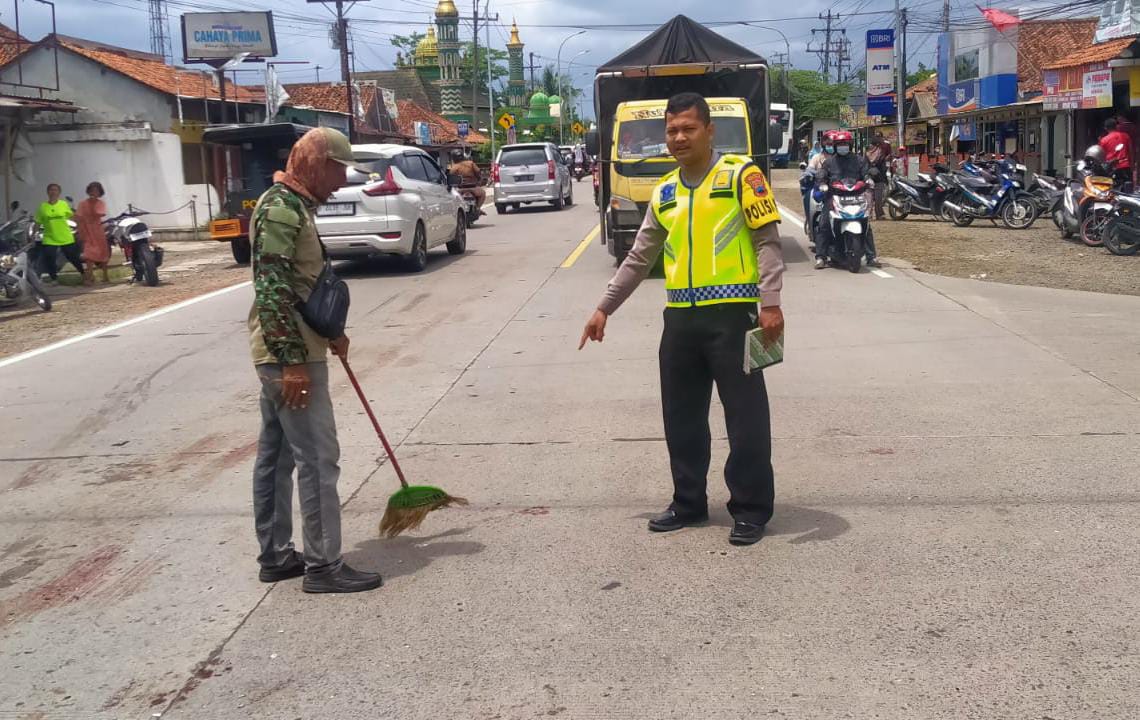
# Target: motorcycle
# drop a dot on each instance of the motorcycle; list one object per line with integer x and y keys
{"x": 1045, "y": 191}
{"x": 134, "y": 237}
{"x": 18, "y": 279}
{"x": 1121, "y": 230}
{"x": 1011, "y": 203}
{"x": 1089, "y": 190}
{"x": 472, "y": 208}
{"x": 849, "y": 224}
{"x": 578, "y": 171}
{"x": 925, "y": 195}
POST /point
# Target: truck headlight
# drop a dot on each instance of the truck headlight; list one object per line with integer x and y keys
{"x": 621, "y": 204}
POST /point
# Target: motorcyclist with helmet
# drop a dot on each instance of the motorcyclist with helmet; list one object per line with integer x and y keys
{"x": 811, "y": 172}
{"x": 463, "y": 166}
{"x": 843, "y": 166}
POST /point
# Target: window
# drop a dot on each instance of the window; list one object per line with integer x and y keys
{"x": 515, "y": 157}
{"x": 413, "y": 167}
{"x": 966, "y": 66}
{"x": 367, "y": 171}
{"x": 434, "y": 174}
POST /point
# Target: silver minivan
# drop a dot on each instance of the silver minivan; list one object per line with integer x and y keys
{"x": 530, "y": 173}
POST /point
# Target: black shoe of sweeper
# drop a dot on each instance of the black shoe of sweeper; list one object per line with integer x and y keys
{"x": 341, "y": 580}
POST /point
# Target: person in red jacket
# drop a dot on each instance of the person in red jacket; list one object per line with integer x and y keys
{"x": 1117, "y": 146}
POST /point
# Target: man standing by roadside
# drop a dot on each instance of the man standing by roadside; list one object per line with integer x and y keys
{"x": 715, "y": 219}
{"x": 1113, "y": 139}
{"x": 297, "y": 425}
{"x": 879, "y": 157}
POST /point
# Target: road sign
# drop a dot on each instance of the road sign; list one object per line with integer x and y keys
{"x": 506, "y": 121}
{"x": 578, "y": 129}
{"x": 462, "y": 128}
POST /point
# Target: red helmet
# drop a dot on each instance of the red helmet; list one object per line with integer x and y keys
{"x": 829, "y": 135}
{"x": 841, "y": 136}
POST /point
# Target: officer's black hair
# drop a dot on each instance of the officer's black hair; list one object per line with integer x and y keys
{"x": 681, "y": 102}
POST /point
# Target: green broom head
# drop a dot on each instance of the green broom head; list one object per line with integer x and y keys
{"x": 409, "y": 506}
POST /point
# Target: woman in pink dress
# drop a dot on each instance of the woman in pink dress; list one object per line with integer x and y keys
{"x": 89, "y": 216}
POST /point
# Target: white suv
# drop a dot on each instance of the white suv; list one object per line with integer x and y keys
{"x": 531, "y": 172}
{"x": 399, "y": 202}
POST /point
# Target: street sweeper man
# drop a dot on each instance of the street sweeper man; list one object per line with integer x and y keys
{"x": 297, "y": 425}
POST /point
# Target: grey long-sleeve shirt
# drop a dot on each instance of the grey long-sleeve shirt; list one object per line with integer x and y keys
{"x": 650, "y": 241}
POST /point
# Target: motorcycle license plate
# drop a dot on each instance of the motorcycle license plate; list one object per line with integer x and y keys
{"x": 335, "y": 209}
{"x": 524, "y": 178}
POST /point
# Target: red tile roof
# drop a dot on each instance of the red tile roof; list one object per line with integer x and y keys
{"x": 152, "y": 71}
{"x": 1095, "y": 54}
{"x": 11, "y": 44}
{"x": 1041, "y": 42}
{"x": 330, "y": 97}
{"x": 929, "y": 85}
{"x": 444, "y": 131}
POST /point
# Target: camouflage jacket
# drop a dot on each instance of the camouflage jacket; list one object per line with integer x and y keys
{"x": 286, "y": 262}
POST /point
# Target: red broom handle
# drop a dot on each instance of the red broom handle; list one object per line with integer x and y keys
{"x": 375, "y": 422}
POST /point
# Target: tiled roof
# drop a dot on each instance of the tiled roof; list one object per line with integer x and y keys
{"x": 330, "y": 97}
{"x": 444, "y": 131}
{"x": 929, "y": 85}
{"x": 1095, "y": 54}
{"x": 406, "y": 83}
{"x": 152, "y": 71}
{"x": 10, "y": 44}
{"x": 1041, "y": 42}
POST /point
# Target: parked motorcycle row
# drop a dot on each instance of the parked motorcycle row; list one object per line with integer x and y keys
{"x": 1090, "y": 205}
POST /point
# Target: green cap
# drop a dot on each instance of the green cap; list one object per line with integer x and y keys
{"x": 337, "y": 146}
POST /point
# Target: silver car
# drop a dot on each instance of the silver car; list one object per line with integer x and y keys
{"x": 398, "y": 201}
{"x": 530, "y": 173}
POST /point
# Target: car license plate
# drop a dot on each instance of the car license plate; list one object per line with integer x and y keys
{"x": 524, "y": 178}
{"x": 337, "y": 209}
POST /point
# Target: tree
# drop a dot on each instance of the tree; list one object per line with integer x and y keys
{"x": 814, "y": 97}
{"x": 478, "y": 68}
{"x": 922, "y": 73}
{"x": 549, "y": 80}
{"x": 407, "y": 44}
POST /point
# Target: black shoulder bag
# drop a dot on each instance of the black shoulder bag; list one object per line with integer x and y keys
{"x": 326, "y": 310}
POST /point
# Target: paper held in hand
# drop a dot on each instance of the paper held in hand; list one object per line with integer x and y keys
{"x": 758, "y": 354}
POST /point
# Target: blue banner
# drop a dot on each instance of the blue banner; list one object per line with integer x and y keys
{"x": 880, "y": 72}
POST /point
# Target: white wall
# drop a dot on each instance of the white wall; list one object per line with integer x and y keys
{"x": 146, "y": 174}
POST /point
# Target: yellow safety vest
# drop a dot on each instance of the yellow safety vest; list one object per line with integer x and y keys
{"x": 709, "y": 257}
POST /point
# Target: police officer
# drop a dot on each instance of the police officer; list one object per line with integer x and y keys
{"x": 715, "y": 220}
{"x": 297, "y": 426}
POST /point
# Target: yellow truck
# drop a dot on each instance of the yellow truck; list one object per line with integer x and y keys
{"x": 630, "y": 94}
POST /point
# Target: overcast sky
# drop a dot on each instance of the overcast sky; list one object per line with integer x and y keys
{"x": 302, "y": 27}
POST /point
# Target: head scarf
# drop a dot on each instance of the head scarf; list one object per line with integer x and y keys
{"x": 306, "y": 164}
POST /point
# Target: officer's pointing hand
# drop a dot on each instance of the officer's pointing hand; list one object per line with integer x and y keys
{"x": 595, "y": 329}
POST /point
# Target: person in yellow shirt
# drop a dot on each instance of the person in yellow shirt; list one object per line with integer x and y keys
{"x": 52, "y": 216}
{"x": 715, "y": 219}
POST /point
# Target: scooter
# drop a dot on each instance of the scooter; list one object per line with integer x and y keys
{"x": 1011, "y": 203}
{"x": 18, "y": 280}
{"x": 1089, "y": 190}
{"x": 1121, "y": 230}
{"x": 579, "y": 171}
{"x": 926, "y": 195}
{"x": 472, "y": 209}
{"x": 849, "y": 224}
{"x": 134, "y": 237}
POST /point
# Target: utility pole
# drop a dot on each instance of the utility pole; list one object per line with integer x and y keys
{"x": 487, "y": 19}
{"x": 900, "y": 65}
{"x": 318, "y": 73}
{"x": 531, "y": 67}
{"x": 345, "y": 74}
{"x": 825, "y": 51}
{"x": 945, "y": 15}
{"x": 490, "y": 90}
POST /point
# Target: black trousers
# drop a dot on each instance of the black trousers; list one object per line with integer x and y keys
{"x": 48, "y": 260}
{"x": 701, "y": 346}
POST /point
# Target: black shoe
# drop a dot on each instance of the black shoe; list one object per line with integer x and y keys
{"x": 291, "y": 568}
{"x": 745, "y": 533}
{"x": 342, "y": 580}
{"x": 874, "y": 262}
{"x": 669, "y": 521}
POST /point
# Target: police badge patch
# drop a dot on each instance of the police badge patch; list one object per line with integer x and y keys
{"x": 755, "y": 180}
{"x": 723, "y": 180}
{"x": 668, "y": 192}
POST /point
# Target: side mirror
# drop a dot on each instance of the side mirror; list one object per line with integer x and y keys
{"x": 592, "y": 142}
{"x": 454, "y": 180}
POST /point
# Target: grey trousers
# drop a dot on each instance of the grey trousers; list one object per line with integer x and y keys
{"x": 304, "y": 439}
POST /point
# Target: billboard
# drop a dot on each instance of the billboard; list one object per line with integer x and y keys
{"x": 881, "y": 72}
{"x": 1118, "y": 18}
{"x": 210, "y": 37}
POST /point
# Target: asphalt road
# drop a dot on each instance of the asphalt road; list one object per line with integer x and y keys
{"x": 954, "y": 536}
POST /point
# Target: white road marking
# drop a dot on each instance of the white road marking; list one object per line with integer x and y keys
{"x": 880, "y": 273}
{"x": 120, "y": 325}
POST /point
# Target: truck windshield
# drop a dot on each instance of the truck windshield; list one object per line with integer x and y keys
{"x": 641, "y": 139}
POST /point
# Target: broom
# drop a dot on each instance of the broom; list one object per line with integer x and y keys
{"x": 408, "y": 507}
